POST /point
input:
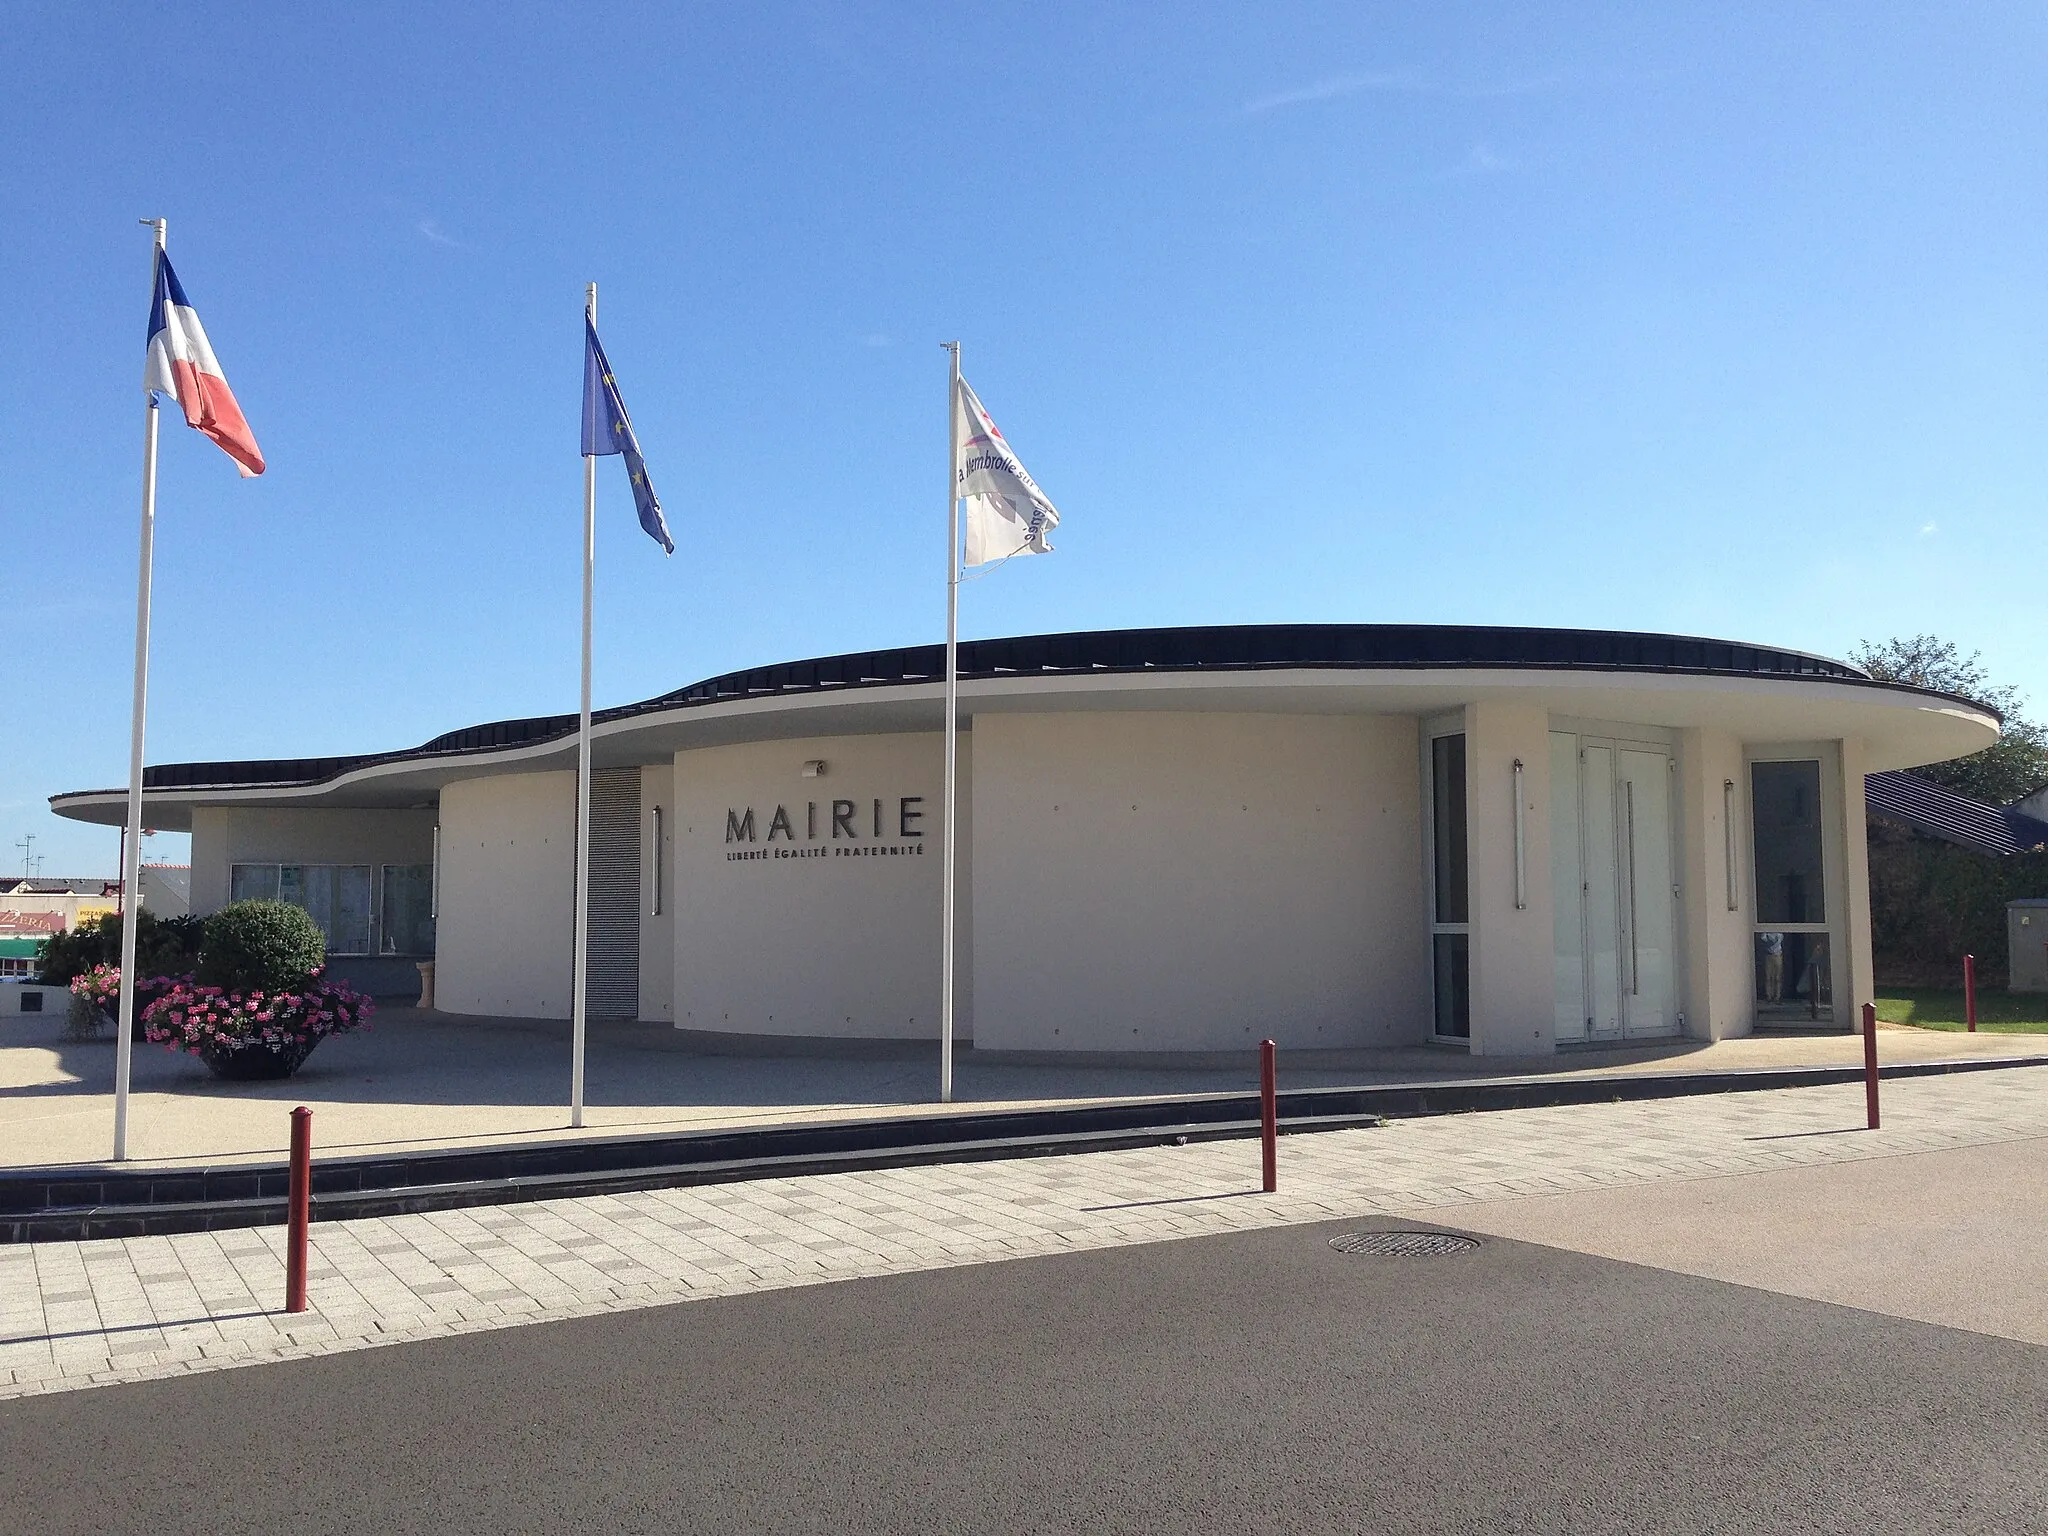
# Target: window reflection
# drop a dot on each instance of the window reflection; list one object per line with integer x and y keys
{"x": 408, "y": 910}
{"x": 1454, "y": 985}
{"x": 1785, "y": 801}
{"x": 1447, "y": 806}
{"x": 335, "y": 896}
{"x": 1793, "y": 975}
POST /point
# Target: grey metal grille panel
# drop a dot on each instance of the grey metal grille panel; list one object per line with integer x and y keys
{"x": 614, "y": 980}
{"x": 1942, "y": 813}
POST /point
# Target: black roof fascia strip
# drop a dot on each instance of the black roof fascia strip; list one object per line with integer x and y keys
{"x": 1217, "y": 648}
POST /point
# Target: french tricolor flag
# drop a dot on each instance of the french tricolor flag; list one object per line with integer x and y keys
{"x": 181, "y": 364}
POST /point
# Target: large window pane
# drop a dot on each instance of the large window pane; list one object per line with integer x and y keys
{"x": 408, "y": 909}
{"x": 335, "y": 896}
{"x": 1785, "y": 815}
{"x": 310, "y": 886}
{"x": 1453, "y": 956}
{"x": 350, "y": 934}
{"x": 252, "y": 882}
{"x": 1447, "y": 811}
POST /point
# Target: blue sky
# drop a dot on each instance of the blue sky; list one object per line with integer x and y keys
{"x": 1723, "y": 319}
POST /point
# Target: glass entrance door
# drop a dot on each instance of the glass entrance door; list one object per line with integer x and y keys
{"x": 1646, "y": 894}
{"x": 1612, "y": 895}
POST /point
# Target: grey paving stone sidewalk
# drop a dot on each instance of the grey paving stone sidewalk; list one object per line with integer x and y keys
{"x": 86, "y": 1314}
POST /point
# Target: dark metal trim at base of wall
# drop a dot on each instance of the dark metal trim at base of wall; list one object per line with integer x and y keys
{"x": 75, "y": 1204}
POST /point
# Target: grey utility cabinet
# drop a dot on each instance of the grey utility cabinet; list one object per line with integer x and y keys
{"x": 2026, "y": 932}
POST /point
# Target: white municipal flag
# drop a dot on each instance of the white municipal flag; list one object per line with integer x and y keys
{"x": 1007, "y": 514}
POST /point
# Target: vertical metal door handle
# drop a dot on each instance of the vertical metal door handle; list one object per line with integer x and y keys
{"x": 1521, "y": 861}
{"x": 1728, "y": 836}
{"x": 655, "y": 850}
{"x": 1635, "y": 976}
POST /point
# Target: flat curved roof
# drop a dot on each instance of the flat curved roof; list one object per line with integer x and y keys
{"x": 1046, "y": 666}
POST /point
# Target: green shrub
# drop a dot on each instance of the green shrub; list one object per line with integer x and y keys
{"x": 167, "y": 946}
{"x": 1932, "y": 902}
{"x": 260, "y": 946}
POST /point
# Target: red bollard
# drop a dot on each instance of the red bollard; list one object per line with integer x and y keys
{"x": 1269, "y": 1115}
{"x": 1970, "y": 991}
{"x": 1870, "y": 1061}
{"x": 301, "y": 1202}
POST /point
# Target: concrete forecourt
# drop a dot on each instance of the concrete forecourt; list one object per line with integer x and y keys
{"x": 1737, "y": 1314}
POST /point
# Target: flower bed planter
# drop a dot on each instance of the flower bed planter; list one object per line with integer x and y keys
{"x": 99, "y": 991}
{"x": 255, "y": 1036}
{"x": 256, "y": 1063}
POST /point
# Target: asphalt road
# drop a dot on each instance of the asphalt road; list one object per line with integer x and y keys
{"x": 1246, "y": 1383}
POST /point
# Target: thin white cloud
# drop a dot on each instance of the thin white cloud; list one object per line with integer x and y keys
{"x": 1385, "y": 81}
{"x": 1529, "y": 86}
{"x": 1482, "y": 161}
{"x": 1327, "y": 90}
{"x": 1929, "y": 530}
{"x": 878, "y": 339}
{"x": 429, "y": 230}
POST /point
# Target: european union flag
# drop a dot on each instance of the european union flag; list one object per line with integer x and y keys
{"x": 607, "y": 429}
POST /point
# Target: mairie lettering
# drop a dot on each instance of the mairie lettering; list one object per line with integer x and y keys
{"x": 876, "y": 834}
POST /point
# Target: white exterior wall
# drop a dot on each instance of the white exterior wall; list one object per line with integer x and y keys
{"x": 166, "y": 889}
{"x": 658, "y": 929}
{"x": 223, "y": 836}
{"x": 508, "y": 880}
{"x": 1719, "y": 998}
{"x": 816, "y": 937}
{"x": 1160, "y": 881}
{"x": 1514, "y": 1008}
{"x": 1149, "y": 881}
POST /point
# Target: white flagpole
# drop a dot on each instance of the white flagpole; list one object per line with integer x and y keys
{"x": 950, "y": 820}
{"x": 131, "y": 843}
{"x": 578, "y": 986}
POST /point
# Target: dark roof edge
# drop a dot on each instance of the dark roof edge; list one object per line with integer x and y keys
{"x": 1219, "y": 648}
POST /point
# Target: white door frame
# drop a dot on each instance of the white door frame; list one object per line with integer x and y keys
{"x": 1617, "y": 739}
{"x": 1834, "y": 874}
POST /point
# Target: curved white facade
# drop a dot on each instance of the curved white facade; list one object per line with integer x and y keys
{"x": 1182, "y": 856}
{"x": 1195, "y": 881}
{"x": 809, "y": 906}
{"x": 507, "y": 891}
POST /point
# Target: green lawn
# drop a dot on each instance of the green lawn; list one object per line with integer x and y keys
{"x": 1942, "y": 1008}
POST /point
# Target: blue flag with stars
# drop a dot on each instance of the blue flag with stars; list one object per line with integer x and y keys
{"x": 607, "y": 429}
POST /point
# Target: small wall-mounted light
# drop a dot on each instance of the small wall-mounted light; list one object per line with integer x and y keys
{"x": 814, "y": 768}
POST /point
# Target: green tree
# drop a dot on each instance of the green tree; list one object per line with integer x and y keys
{"x": 2000, "y": 774}
{"x": 163, "y": 946}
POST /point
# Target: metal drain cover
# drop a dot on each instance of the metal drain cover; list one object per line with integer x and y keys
{"x": 1403, "y": 1245}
